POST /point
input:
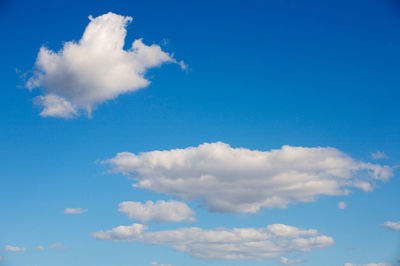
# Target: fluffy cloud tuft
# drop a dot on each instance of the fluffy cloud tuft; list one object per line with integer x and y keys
{"x": 230, "y": 179}
{"x": 231, "y": 244}
{"x": 392, "y": 225}
{"x": 379, "y": 155}
{"x": 95, "y": 69}
{"x": 342, "y": 205}
{"x": 15, "y": 249}
{"x": 75, "y": 211}
{"x": 161, "y": 211}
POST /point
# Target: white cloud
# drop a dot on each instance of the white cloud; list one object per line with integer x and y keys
{"x": 159, "y": 264}
{"x": 15, "y": 249}
{"x": 231, "y": 244}
{"x": 95, "y": 69}
{"x": 392, "y": 225}
{"x": 285, "y": 260}
{"x": 74, "y": 211}
{"x": 161, "y": 211}
{"x": 379, "y": 155}
{"x": 56, "y": 106}
{"x": 342, "y": 205}
{"x": 3, "y": 258}
{"x": 58, "y": 246}
{"x": 230, "y": 179}
{"x": 369, "y": 264}
{"x": 40, "y": 248}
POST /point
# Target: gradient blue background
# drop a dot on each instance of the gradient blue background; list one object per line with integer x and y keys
{"x": 262, "y": 74}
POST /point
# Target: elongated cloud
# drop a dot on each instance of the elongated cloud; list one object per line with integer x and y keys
{"x": 75, "y": 211}
{"x": 161, "y": 211}
{"x": 369, "y": 264}
{"x": 15, "y": 249}
{"x": 230, "y": 244}
{"x": 285, "y": 260}
{"x": 230, "y": 179}
{"x": 158, "y": 264}
{"x": 58, "y": 245}
{"x": 95, "y": 69}
{"x": 392, "y": 225}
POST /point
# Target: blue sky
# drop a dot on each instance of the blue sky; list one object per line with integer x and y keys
{"x": 318, "y": 75}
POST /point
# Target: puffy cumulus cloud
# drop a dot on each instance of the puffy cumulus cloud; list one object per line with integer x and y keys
{"x": 379, "y": 155}
{"x": 39, "y": 248}
{"x": 74, "y": 211}
{"x": 230, "y": 179}
{"x": 15, "y": 249}
{"x": 58, "y": 246}
{"x": 285, "y": 260}
{"x": 95, "y": 69}
{"x": 161, "y": 211}
{"x": 231, "y": 244}
{"x": 392, "y": 225}
{"x": 369, "y": 264}
{"x": 342, "y": 205}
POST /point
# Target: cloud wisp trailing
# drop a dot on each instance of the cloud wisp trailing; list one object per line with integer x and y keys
{"x": 285, "y": 260}
{"x": 228, "y": 244}
{"x": 75, "y": 211}
{"x": 392, "y": 225}
{"x": 369, "y": 264}
{"x": 58, "y": 245}
{"x": 158, "y": 264}
{"x": 15, "y": 249}
{"x": 95, "y": 69}
{"x": 160, "y": 211}
{"x": 229, "y": 180}
{"x": 379, "y": 155}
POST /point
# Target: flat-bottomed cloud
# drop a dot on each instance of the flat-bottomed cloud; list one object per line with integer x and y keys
{"x": 232, "y": 180}
{"x": 229, "y": 244}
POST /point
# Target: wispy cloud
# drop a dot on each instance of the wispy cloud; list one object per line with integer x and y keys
{"x": 58, "y": 246}
{"x": 160, "y": 211}
{"x": 159, "y": 264}
{"x": 379, "y": 155}
{"x": 369, "y": 264}
{"x": 75, "y": 211}
{"x": 15, "y": 249}
{"x": 285, "y": 260}
{"x": 392, "y": 225}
